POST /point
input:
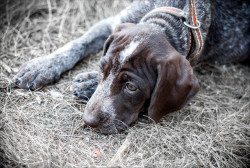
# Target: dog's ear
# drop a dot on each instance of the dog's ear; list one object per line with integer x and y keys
{"x": 107, "y": 44}
{"x": 176, "y": 85}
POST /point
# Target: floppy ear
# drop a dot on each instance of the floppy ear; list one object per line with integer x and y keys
{"x": 176, "y": 85}
{"x": 107, "y": 44}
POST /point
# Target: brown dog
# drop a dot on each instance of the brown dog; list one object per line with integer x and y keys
{"x": 146, "y": 63}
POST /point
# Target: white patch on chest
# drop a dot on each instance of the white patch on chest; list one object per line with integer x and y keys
{"x": 129, "y": 49}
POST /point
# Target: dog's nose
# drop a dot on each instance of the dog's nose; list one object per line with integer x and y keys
{"x": 91, "y": 120}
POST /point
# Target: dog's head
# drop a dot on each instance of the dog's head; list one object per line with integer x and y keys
{"x": 139, "y": 71}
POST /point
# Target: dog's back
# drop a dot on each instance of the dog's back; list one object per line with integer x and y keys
{"x": 224, "y": 25}
{"x": 224, "y": 28}
{"x": 229, "y": 34}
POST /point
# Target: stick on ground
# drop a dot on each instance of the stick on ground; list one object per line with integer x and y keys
{"x": 116, "y": 160}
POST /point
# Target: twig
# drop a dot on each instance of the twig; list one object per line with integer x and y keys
{"x": 118, "y": 157}
{"x": 5, "y": 66}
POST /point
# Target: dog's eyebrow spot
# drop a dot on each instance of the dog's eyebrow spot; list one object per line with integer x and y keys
{"x": 129, "y": 49}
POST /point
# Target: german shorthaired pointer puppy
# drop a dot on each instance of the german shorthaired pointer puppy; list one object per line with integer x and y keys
{"x": 147, "y": 59}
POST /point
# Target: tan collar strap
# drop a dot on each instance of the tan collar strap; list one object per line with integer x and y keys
{"x": 193, "y": 56}
{"x": 194, "y": 25}
{"x": 171, "y": 10}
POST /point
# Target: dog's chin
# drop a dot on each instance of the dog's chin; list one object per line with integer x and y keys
{"x": 111, "y": 127}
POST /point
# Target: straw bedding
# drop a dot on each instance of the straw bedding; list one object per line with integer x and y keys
{"x": 45, "y": 129}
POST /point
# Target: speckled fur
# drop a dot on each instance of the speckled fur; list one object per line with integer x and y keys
{"x": 84, "y": 85}
{"x": 224, "y": 26}
{"x": 228, "y": 39}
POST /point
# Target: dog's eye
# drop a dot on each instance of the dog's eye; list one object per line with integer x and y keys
{"x": 131, "y": 87}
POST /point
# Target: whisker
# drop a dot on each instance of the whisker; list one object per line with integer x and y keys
{"x": 124, "y": 124}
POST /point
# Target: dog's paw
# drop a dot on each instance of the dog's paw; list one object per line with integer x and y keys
{"x": 37, "y": 73}
{"x": 84, "y": 85}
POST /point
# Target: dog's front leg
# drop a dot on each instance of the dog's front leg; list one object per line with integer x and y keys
{"x": 41, "y": 71}
{"x": 84, "y": 85}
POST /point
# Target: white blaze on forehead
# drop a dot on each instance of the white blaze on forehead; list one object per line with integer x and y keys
{"x": 102, "y": 96}
{"x": 129, "y": 49}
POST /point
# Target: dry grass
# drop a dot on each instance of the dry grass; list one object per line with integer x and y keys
{"x": 37, "y": 129}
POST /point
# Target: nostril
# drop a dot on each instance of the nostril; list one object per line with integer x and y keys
{"x": 91, "y": 121}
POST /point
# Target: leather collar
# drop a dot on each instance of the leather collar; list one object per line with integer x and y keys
{"x": 195, "y": 40}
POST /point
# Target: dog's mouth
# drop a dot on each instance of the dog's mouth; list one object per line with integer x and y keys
{"x": 111, "y": 126}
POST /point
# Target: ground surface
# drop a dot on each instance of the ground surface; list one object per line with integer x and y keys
{"x": 43, "y": 128}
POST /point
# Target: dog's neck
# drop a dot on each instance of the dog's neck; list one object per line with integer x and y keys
{"x": 170, "y": 25}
